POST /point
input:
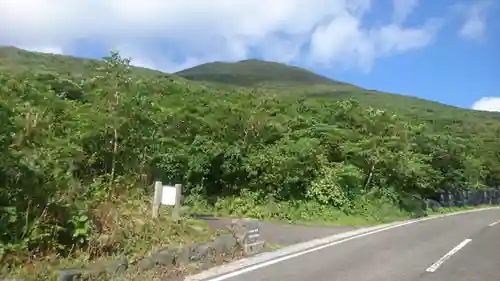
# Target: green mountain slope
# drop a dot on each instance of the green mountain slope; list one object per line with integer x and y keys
{"x": 284, "y": 79}
{"x": 13, "y": 59}
{"x": 78, "y": 141}
{"x": 252, "y": 72}
{"x": 263, "y": 75}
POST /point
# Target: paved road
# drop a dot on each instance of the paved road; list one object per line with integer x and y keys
{"x": 284, "y": 234}
{"x": 463, "y": 247}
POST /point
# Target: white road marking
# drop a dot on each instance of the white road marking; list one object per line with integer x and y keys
{"x": 267, "y": 263}
{"x": 494, "y": 223}
{"x": 448, "y": 255}
{"x": 239, "y": 267}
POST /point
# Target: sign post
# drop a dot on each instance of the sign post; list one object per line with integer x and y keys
{"x": 177, "y": 203}
{"x": 156, "y": 199}
{"x": 167, "y": 195}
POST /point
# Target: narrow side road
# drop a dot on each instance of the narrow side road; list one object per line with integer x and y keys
{"x": 464, "y": 247}
{"x": 284, "y": 234}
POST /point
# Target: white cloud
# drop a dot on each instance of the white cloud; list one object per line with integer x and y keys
{"x": 475, "y": 19}
{"x": 172, "y": 34}
{"x": 344, "y": 41}
{"x": 487, "y": 104}
{"x": 402, "y": 9}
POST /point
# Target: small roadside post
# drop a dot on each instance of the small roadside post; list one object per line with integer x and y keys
{"x": 167, "y": 195}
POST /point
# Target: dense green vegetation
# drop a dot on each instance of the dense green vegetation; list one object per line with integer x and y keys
{"x": 77, "y": 146}
{"x": 17, "y": 60}
{"x": 69, "y": 183}
{"x": 282, "y": 80}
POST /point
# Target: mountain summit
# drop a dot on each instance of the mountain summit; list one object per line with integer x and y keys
{"x": 253, "y": 72}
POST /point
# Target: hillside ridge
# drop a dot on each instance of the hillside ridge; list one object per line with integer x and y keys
{"x": 251, "y": 72}
{"x": 264, "y": 75}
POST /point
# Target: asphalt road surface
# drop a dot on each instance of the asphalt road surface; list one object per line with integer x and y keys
{"x": 282, "y": 233}
{"x": 463, "y": 247}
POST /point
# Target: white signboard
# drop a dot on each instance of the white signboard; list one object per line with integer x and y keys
{"x": 168, "y": 195}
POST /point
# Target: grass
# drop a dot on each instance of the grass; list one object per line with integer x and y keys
{"x": 312, "y": 213}
{"x": 130, "y": 227}
{"x": 46, "y": 270}
{"x": 446, "y": 210}
{"x": 129, "y": 232}
{"x": 300, "y": 211}
{"x": 346, "y": 220}
{"x": 13, "y": 59}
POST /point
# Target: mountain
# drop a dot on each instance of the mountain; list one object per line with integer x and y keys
{"x": 13, "y": 59}
{"x": 77, "y": 142}
{"x": 252, "y": 72}
{"x": 285, "y": 79}
{"x": 275, "y": 77}
{"x": 263, "y": 74}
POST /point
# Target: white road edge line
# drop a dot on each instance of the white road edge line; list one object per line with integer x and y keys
{"x": 267, "y": 263}
{"x": 494, "y": 223}
{"x": 448, "y": 255}
{"x": 242, "y": 266}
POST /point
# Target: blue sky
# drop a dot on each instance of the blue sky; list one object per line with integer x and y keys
{"x": 454, "y": 69}
{"x": 439, "y": 50}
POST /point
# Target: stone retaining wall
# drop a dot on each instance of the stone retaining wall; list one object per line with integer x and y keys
{"x": 244, "y": 238}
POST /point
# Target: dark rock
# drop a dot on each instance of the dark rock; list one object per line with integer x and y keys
{"x": 182, "y": 255}
{"x": 433, "y": 204}
{"x": 207, "y": 264}
{"x": 209, "y": 251}
{"x": 71, "y": 274}
{"x": 193, "y": 253}
{"x": 225, "y": 244}
{"x": 204, "y": 253}
{"x": 165, "y": 257}
{"x": 145, "y": 264}
{"x": 244, "y": 237}
{"x": 196, "y": 252}
{"x": 117, "y": 266}
{"x": 107, "y": 268}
